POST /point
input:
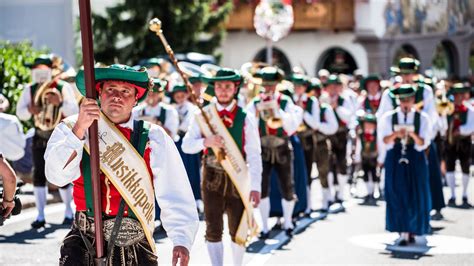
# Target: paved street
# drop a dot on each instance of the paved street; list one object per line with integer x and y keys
{"x": 355, "y": 236}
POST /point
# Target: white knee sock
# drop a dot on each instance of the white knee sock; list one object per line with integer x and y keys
{"x": 40, "y": 200}
{"x": 370, "y": 187}
{"x": 309, "y": 205}
{"x": 326, "y": 197}
{"x": 465, "y": 183}
{"x": 237, "y": 253}
{"x": 342, "y": 180}
{"x": 331, "y": 186}
{"x": 216, "y": 253}
{"x": 264, "y": 207}
{"x": 450, "y": 179}
{"x": 288, "y": 206}
{"x": 66, "y": 197}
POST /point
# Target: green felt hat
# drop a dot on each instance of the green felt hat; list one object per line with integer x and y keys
{"x": 224, "y": 74}
{"x": 459, "y": 88}
{"x": 315, "y": 84}
{"x": 270, "y": 75}
{"x": 159, "y": 85}
{"x": 406, "y": 65}
{"x": 333, "y": 79}
{"x": 370, "y": 77}
{"x": 195, "y": 79}
{"x": 299, "y": 79}
{"x": 404, "y": 91}
{"x": 138, "y": 78}
{"x": 367, "y": 117}
{"x": 180, "y": 87}
{"x": 43, "y": 59}
{"x": 153, "y": 62}
{"x": 286, "y": 87}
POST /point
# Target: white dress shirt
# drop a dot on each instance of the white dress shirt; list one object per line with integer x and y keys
{"x": 13, "y": 139}
{"x": 186, "y": 113}
{"x": 172, "y": 189}
{"x": 384, "y": 127}
{"x": 69, "y": 105}
{"x": 193, "y": 142}
{"x": 346, "y": 111}
{"x": 291, "y": 116}
{"x": 313, "y": 119}
{"x": 171, "y": 120}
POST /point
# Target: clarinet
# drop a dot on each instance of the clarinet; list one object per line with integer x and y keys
{"x": 404, "y": 141}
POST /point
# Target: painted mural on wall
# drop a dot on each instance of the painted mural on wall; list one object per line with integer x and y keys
{"x": 427, "y": 16}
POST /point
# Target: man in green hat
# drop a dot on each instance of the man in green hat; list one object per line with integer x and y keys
{"x": 315, "y": 122}
{"x": 458, "y": 144}
{"x": 278, "y": 118}
{"x": 138, "y": 161}
{"x": 154, "y": 110}
{"x": 343, "y": 109}
{"x": 46, "y": 101}
{"x": 406, "y": 134}
{"x": 223, "y": 190}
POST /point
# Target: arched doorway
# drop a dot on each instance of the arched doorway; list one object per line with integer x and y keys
{"x": 337, "y": 60}
{"x": 445, "y": 60}
{"x": 279, "y": 59}
{"x": 406, "y": 50}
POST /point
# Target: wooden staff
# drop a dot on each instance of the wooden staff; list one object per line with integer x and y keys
{"x": 155, "y": 26}
{"x": 88, "y": 60}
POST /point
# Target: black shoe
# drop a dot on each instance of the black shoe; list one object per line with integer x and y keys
{"x": 68, "y": 221}
{"x": 403, "y": 243}
{"x": 411, "y": 239}
{"x": 277, "y": 227}
{"x": 289, "y": 232}
{"x": 264, "y": 236}
{"x": 38, "y": 224}
{"x": 465, "y": 203}
{"x": 452, "y": 202}
{"x": 437, "y": 216}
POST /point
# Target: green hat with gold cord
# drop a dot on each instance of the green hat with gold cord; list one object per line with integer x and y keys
{"x": 137, "y": 78}
{"x": 459, "y": 88}
{"x": 406, "y": 65}
{"x": 404, "y": 91}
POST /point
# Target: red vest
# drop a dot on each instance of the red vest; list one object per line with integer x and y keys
{"x": 110, "y": 195}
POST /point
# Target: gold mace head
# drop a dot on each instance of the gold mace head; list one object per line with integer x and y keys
{"x": 155, "y": 25}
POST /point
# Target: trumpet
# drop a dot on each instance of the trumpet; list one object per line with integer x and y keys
{"x": 50, "y": 114}
{"x": 444, "y": 106}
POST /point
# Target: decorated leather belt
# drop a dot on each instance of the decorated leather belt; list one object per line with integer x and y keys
{"x": 130, "y": 232}
{"x": 273, "y": 141}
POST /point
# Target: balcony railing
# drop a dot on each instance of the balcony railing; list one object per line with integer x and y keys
{"x": 318, "y": 15}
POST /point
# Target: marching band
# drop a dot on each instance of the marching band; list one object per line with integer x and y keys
{"x": 402, "y": 137}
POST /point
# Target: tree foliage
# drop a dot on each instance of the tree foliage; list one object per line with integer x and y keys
{"x": 14, "y": 75}
{"x": 122, "y": 34}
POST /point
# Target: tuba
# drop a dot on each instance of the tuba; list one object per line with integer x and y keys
{"x": 50, "y": 114}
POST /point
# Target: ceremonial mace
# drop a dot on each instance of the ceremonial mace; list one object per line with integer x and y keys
{"x": 89, "y": 77}
{"x": 155, "y": 26}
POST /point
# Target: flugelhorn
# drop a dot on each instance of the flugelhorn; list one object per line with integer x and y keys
{"x": 50, "y": 115}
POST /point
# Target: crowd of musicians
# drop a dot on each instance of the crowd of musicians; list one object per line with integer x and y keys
{"x": 401, "y": 135}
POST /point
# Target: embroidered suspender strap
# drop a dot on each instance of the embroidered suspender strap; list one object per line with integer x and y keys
{"x": 116, "y": 228}
{"x": 394, "y": 120}
{"x": 162, "y": 116}
{"x": 417, "y": 123}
